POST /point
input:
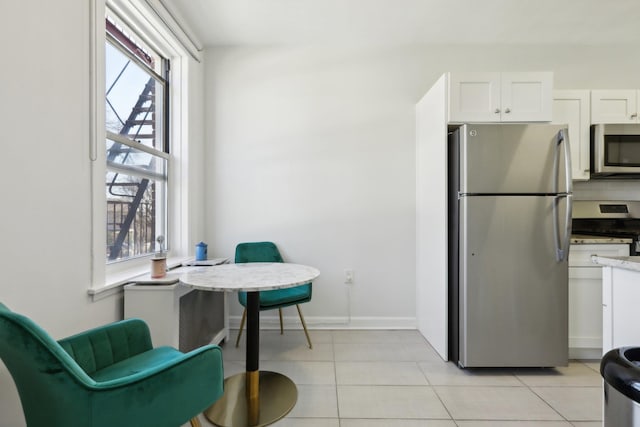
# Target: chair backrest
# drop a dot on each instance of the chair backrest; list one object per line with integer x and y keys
{"x": 257, "y": 252}
{"x": 48, "y": 380}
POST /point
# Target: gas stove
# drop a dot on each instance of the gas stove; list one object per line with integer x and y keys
{"x": 611, "y": 218}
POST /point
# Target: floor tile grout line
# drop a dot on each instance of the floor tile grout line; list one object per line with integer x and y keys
{"x": 335, "y": 375}
{"x": 518, "y": 376}
{"x": 435, "y": 391}
{"x": 549, "y": 405}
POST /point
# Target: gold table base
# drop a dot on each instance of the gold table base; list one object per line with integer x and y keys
{"x": 278, "y": 396}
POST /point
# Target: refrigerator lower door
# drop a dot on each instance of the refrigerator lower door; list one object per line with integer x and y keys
{"x": 513, "y": 290}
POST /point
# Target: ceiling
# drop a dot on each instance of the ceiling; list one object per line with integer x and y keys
{"x": 251, "y": 22}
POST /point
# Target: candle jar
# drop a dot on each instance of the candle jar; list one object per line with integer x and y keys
{"x": 158, "y": 267}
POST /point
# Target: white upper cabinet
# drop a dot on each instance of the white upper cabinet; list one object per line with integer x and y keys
{"x": 474, "y": 97}
{"x": 614, "y": 106}
{"x": 527, "y": 97}
{"x": 500, "y": 97}
{"x": 571, "y": 107}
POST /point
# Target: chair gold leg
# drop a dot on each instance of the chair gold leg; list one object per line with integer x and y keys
{"x": 280, "y": 314}
{"x": 244, "y": 317}
{"x": 195, "y": 422}
{"x": 304, "y": 325}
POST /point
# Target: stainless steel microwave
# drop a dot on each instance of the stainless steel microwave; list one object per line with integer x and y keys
{"x": 615, "y": 151}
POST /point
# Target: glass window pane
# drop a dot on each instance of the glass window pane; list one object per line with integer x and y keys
{"x": 134, "y": 100}
{"x": 135, "y": 215}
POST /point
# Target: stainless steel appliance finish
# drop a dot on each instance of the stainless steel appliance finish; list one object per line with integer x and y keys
{"x": 611, "y": 218}
{"x": 619, "y": 410}
{"x": 615, "y": 151}
{"x": 510, "y": 211}
{"x": 620, "y": 370}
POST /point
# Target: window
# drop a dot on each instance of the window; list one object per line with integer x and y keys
{"x": 140, "y": 139}
{"x": 137, "y": 149}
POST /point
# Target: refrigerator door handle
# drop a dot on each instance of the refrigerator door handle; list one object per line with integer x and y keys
{"x": 562, "y": 243}
{"x": 562, "y": 139}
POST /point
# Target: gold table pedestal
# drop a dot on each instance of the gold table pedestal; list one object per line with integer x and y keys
{"x": 277, "y": 397}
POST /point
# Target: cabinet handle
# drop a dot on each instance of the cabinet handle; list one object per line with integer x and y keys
{"x": 634, "y": 115}
{"x": 497, "y": 111}
{"x": 507, "y": 111}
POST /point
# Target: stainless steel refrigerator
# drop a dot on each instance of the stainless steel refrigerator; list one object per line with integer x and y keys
{"x": 509, "y": 231}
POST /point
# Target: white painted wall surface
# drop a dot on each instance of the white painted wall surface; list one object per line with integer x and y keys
{"x": 45, "y": 174}
{"x": 45, "y": 218}
{"x": 312, "y": 149}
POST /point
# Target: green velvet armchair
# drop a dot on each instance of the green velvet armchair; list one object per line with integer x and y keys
{"x": 110, "y": 376}
{"x": 278, "y": 298}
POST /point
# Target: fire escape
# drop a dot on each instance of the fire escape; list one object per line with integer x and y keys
{"x": 123, "y": 214}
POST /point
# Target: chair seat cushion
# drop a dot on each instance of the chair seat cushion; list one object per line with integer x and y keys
{"x": 141, "y": 362}
{"x": 281, "y": 297}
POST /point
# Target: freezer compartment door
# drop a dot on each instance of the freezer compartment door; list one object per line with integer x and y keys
{"x": 514, "y": 158}
{"x": 513, "y": 286}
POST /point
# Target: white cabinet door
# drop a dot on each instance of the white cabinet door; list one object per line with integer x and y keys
{"x": 587, "y": 298}
{"x": 585, "y": 303}
{"x": 614, "y": 106}
{"x": 500, "y": 97}
{"x": 607, "y": 312}
{"x": 572, "y": 107}
{"x": 624, "y": 314}
{"x": 474, "y": 97}
{"x": 526, "y": 97}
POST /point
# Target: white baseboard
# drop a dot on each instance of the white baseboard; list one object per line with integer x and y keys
{"x": 585, "y": 348}
{"x": 585, "y": 353}
{"x": 318, "y": 323}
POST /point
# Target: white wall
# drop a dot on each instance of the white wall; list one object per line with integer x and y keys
{"x": 45, "y": 171}
{"x": 45, "y": 174}
{"x": 310, "y": 149}
{"x": 313, "y": 148}
{"x": 45, "y": 168}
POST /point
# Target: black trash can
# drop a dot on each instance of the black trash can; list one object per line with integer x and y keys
{"x": 620, "y": 369}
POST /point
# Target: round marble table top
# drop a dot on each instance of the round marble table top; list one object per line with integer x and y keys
{"x": 248, "y": 277}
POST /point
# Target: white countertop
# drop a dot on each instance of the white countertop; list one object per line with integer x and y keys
{"x": 583, "y": 239}
{"x": 625, "y": 262}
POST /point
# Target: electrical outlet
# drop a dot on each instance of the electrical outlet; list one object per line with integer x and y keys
{"x": 348, "y": 277}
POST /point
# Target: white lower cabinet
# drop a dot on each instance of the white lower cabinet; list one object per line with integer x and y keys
{"x": 620, "y": 314}
{"x": 585, "y": 298}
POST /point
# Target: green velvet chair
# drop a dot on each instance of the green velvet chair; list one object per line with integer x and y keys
{"x": 110, "y": 376}
{"x": 278, "y": 298}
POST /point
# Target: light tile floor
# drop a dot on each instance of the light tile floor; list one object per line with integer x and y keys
{"x": 395, "y": 379}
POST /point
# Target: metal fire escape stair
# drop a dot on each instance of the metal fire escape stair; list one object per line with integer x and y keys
{"x": 141, "y": 115}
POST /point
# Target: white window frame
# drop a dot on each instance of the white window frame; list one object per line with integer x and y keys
{"x": 152, "y": 24}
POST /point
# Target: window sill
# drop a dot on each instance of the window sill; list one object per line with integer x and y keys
{"x": 116, "y": 281}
